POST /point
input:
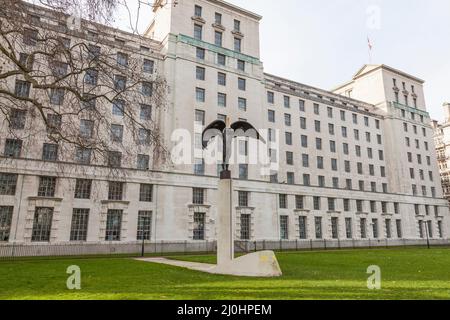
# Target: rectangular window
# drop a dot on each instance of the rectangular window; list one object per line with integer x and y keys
{"x": 363, "y": 228}
{"x": 199, "y": 167}
{"x": 146, "y": 193}
{"x": 90, "y": 78}
{"x": 302, "y": 227}
{"x": 242, "y": 85}
{"x": 198, "y": 11}
{"x": 218, "y": 38}
{"x": 301, "y": 104}
{"x": 144, "y": 226}
{"x": 147, "y": 89}
{"x": 334, "y": 228}
{"x": 198, "y": 196}
{"x": 115, "y": 191}
{"x": 299, "y": 202}
{"x": 113, "y": 225}
{"x": 243, "y": 198}
{"x": 47, "y": 187}
{"x": 79, "y": 226}
{"x": 86, "y": 128}
{"x": 241, "y": 65}
{"x": 237, "y": 44}
{"x": 221, "y": 59}
{"x": 50, "y": 152}
{"x": 245, "y": 226}
{"x": 83, "y": 189}
{"x": 13, "y": 148}
{"x": 270, "y": 97}
{"x": 198, "y": 32}
{"x": 83, "y": 156}
{"x": 348, "y": 228}
{"x": 114, "y": 159}
{"x": 218, "y": 18}
{"x": 242, "y": 104}
{"x": 8, "y": 183}
{"x": 316, "y": 203}
{"x": 237, "y": 25}
{"x": 375, "y": 228}
{"x": 42, "y": 224}
{"x": 122, "y": 59}
{"x": 440, "y": 230}
{"x": 6, "y": 213}
{"x": 200, "y": 53}
{"x": 318, "y": 227}
{"x": 17, "y": 119}
{"x": 148, "y": 66}
{"x": 284, "y": 227}
{"x": 22, "y": 89}
{"x": 283, "y": 201}
{"x": 200, "y": 95}
{"x": 200, "y": 73}
{"x": 143, "y": 162}
{"x": 118, "y": 108}
{"x": 199, "y": 226}
{"x": 243, "y": 171}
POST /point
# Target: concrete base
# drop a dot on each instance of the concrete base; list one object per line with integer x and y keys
{"x": 258, "y": 264}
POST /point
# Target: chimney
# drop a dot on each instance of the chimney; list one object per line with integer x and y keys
{"x": 447, "y": 111}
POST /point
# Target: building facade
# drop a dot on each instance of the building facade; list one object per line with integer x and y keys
{"x": 442, "y": 142}
{"x": 357, "y": 162}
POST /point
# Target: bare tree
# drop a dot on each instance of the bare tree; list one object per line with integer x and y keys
{"x": 85, "y": 94}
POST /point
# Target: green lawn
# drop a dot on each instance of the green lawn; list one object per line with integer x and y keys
{"x": 406, "y": 274}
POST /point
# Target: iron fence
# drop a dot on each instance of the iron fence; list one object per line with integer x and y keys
{"x": 164, "y": 248}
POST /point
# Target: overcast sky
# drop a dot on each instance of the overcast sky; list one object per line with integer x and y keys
{"x": 324, "y": 42}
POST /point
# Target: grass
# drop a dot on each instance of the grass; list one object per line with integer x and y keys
{"x": 406, "y": 274}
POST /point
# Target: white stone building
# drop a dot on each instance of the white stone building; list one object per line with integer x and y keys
{"x": 357, "y": 162}
{"x": 442, "y": 142}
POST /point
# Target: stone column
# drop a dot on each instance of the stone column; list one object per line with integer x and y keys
{"x": 225, "y": 223}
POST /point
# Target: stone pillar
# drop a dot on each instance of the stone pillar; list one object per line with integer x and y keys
{"x": 225, "y": 223}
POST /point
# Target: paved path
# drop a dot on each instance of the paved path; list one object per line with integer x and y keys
{"x": 203, "y": 267}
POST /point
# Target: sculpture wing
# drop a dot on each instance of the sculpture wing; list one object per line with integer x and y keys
{"x": 213, "y": 130}
{"x": 245, "y": 129}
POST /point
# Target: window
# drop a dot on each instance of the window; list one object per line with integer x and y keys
{"x": 283, "y": 201}
{"x": 359, "y": 206}
{"x": 218, "y": 18}
{"x": 440, "y": 230}
{"x": 304, "y": 141}
{"x": 143, "y": 162}
{"x": 317, "y": 125}
{"x": 146, "y": 193}
{"x": 375, "y": 228}
{"x": 91, "y": 78}
{"x": 241, "y": 65}
{"x": 237, "y": 44}
{"x": 17, "y": 119}
{"x": 305, "y": 160}
{"x": 243, "y": 171}
{"x": 79, "y": 226}
{"x": 113, "y": 225}
{"x": 116, "y": 133}
{"x": 330, "y": 112}
{"x": 270, "y": 97}
{"x": 115, "y": 191}
{"x": 318, "y": 227}
{"x": 355, "y": 118}
{"x": 86, "y": 128}
{"x": 47, "y": 187}
{"x": 118, "y": 108}
{"x": 200, "y": 94}
{"x": 218, "y": 37}
{"x": 199, "y": 226}
{"x": 222, "y": 100}
{"x": 306, "y": 179}
{"x": 83, "y": 155}
{"x": 332, "y": 146}
{"x": 243, "y": 198}
{"x": 221, "y": 79}
{"x": 245, "y": 226}
{"x": 388, "y": 228}
{"x": 144, "y": 225}
{"x": 8, "y": 183}
{"x": 302, "y": 227}
{"x": 198, "y": 196}
{"x": 148, "y": 66}
{"x": 242, "y": 84}
{"x": 22, "y": 89}
{"x": 318, "y": 144}
{"x": 321, "y": 181}
{"x": 290, "y": 176}
{"x": 200, "y": 53}
{"x": 284, "y": 227}
{"x": 242, "y": 104}
{"x": 147, "y": 89}
{"x": 83, "y": 189}
{"x": 287, "y": 101}
{"x": 299, "y": 202}
{"x": 198, "y": 31}
{"x": 221, "y": 59}
{"x": 363, "y": 228}
{"x": 334, "y": 228}
{"x": 6, "y": 213}
{"x": 30, "y": 36}
{"x": 198, "y": 11}
{"x": 303, "y": 123}
{"x": 331, "y": 204}
{"x": 237, "y": 25}
{"x": 287, "y": 120}
{"x": 42, "y": 224}
{"x": 200, "y": 73}
{"x": 301, "y": 105}
{"x": 316, "y": 203}
{"x": 122, "y": 59}
{"x": 144, "y": 137}
{"x": 289, "y": 158}
{"x": 199, "y": 167}
{"x": 316, "y": 109}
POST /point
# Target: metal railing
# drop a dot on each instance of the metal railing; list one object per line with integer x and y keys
{"x": 165, "y": 248}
